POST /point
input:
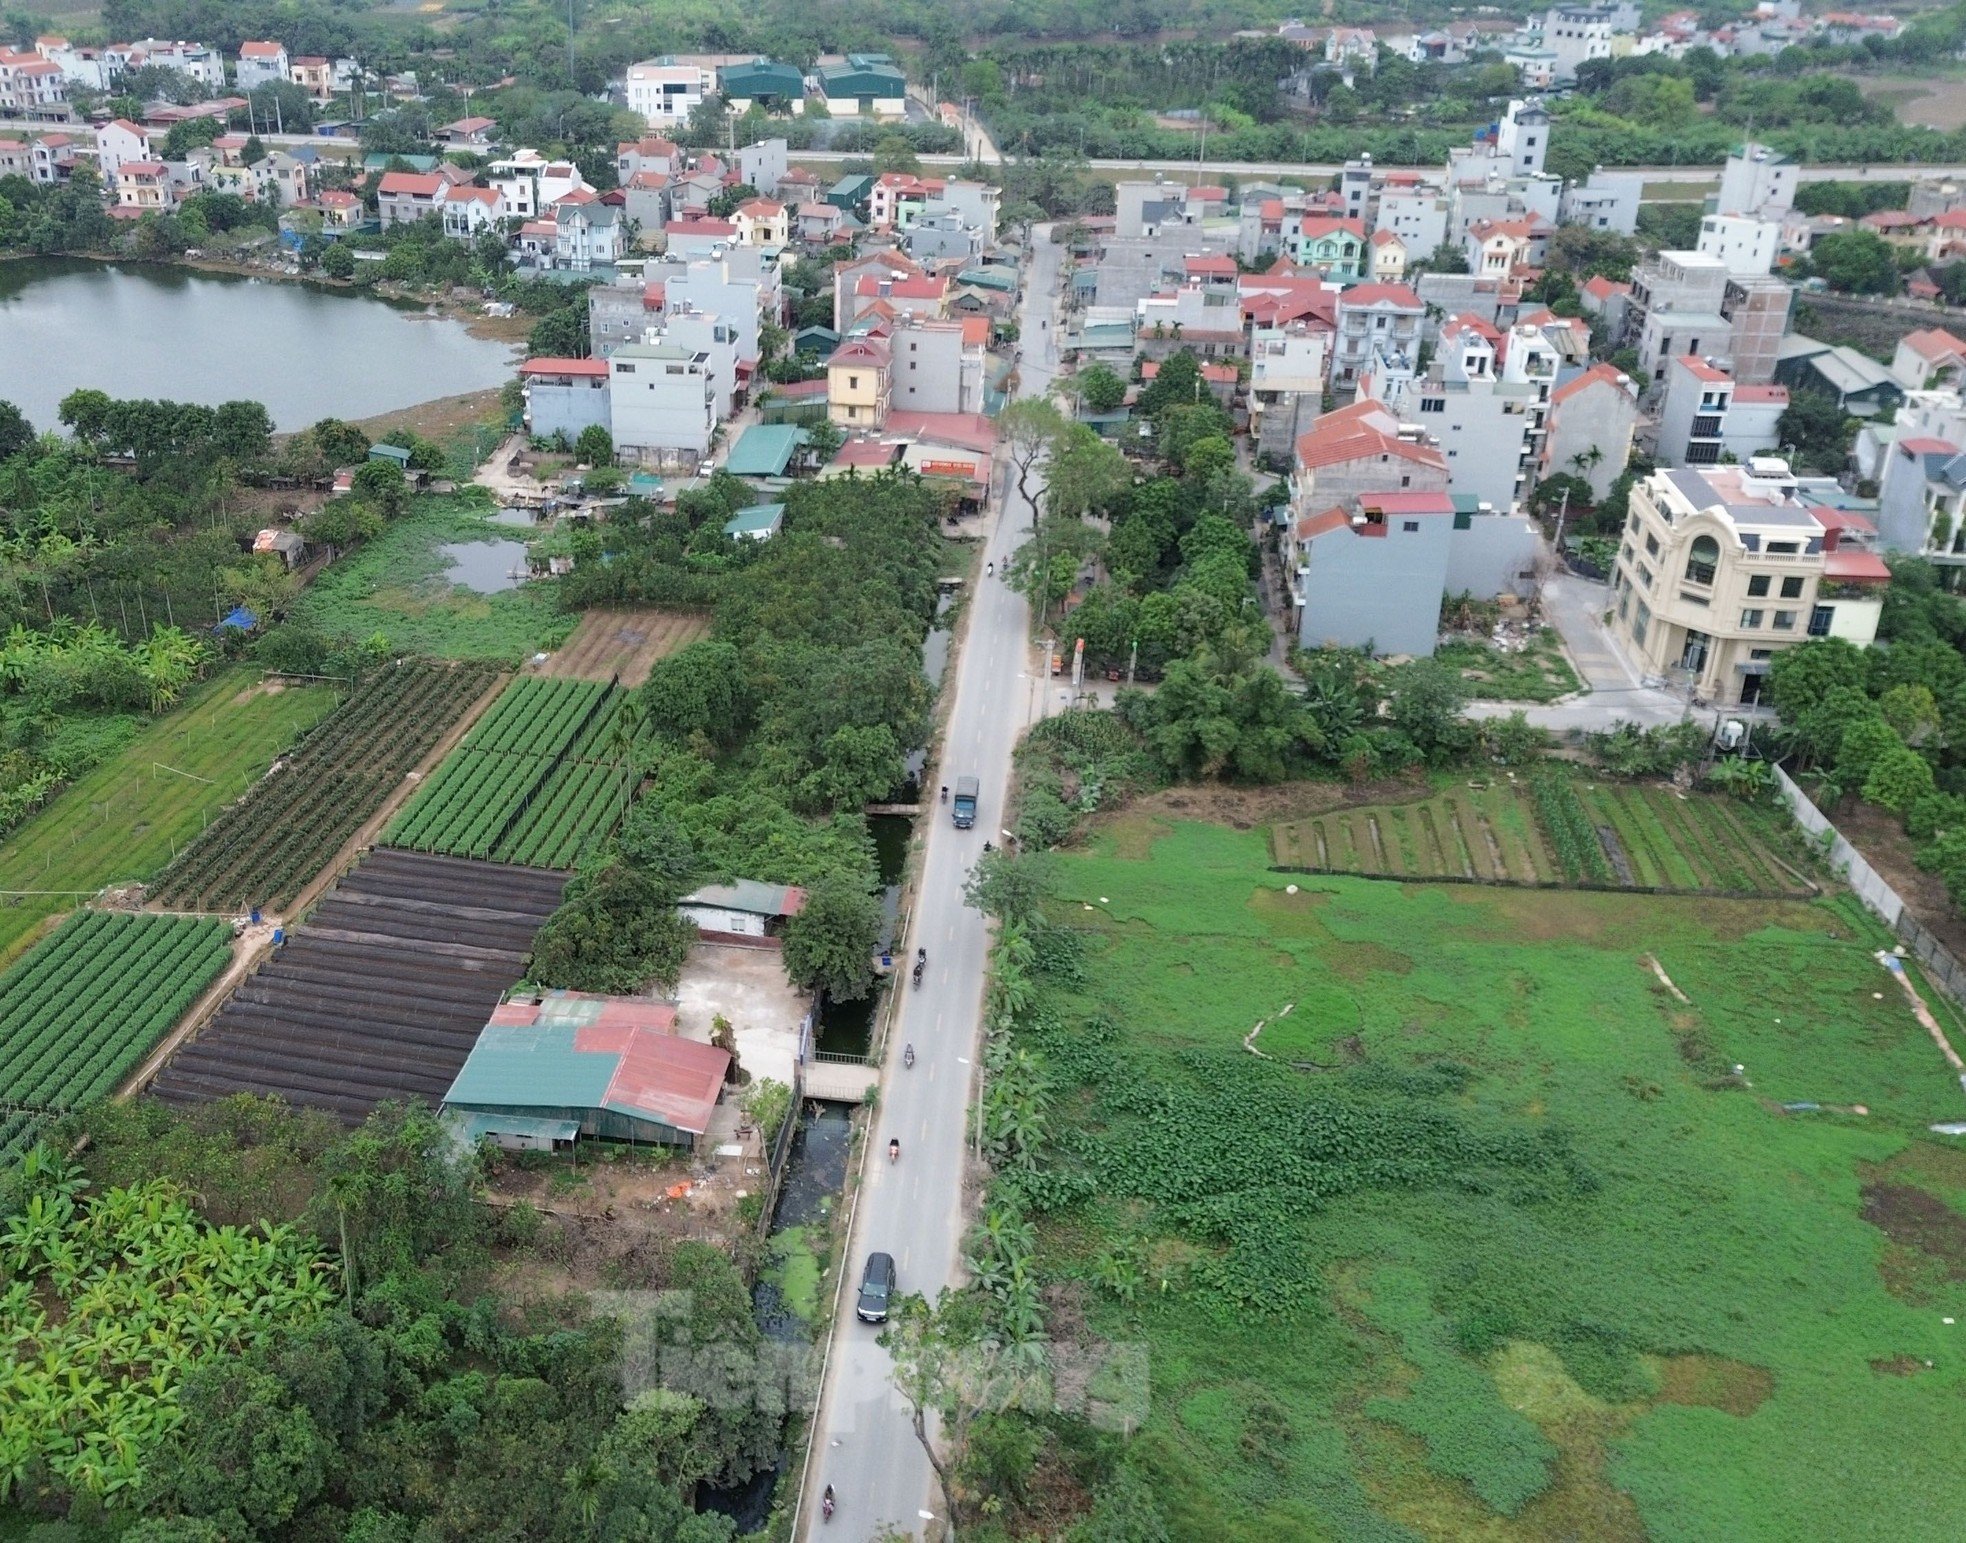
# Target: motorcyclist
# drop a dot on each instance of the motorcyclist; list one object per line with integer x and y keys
{"x": 826, "y": 1502}
{"x": 893, "y": 1148}
{"x": 945, "y": 792}
{"x": 990, "y": 569}
{"x": 908, "y": 1055}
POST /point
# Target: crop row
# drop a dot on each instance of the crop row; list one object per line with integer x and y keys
{"x": 266, "y": 847}
{"x": 82, "y": 1008}
{"x": 576, "y": 808}
{"x": 1572, "y": 836}
{"x": 536, "y": 716}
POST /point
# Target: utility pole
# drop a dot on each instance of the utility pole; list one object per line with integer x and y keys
{"x": 570, "y": 85}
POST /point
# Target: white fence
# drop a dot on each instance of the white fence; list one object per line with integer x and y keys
{"x": 1869, "y": 886}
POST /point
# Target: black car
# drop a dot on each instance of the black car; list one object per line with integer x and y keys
{"x": 876, "y": 1286}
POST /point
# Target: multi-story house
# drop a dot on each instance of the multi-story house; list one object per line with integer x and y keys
{"x": 1921, "y": 496}
{"x": 1929, "y": 358}
{"x": 1328, "y": 242}
{"x": 1289, "y": 366}
{"x": 1386, "y": 257}
{"x": 1757, "y": 180}
{"x": 1707, "y": 417}
{"x": 1675, "y": 309}
{"x": 32, "y": 87}
{"x": 117, "y": 141}
{"x": 53, "y": 158}
{"x": 1606, "y": 200}
{"x": 564, "y": 396}
{"x": 1746, "y": 243}
{"x": 1501, "y": 249}
{"x": 1589, "y": 431}
{"x": 858, "y": 383}
{"x": 468, "y": 211}
{"x": 936, "y": 366}
{"x": 665, "y": 91}
{"x": 1578, "y": 33}
{"x": 649, "y": 153}
{"x": 1721, "y": 568}
{"x": 587, "y": 235}
{"x": 261, "y": 64}
{"x": 404, "y": 197}
{"x": 145, "y": 187}
{"x": 314, "y": 74}
{"x": 761, "y": 222}
{"x": 661, "y": 403}
{"x": 1374, "y": 318}
{"x": 1416, "y": 212}
{"x": 532, "y": 184}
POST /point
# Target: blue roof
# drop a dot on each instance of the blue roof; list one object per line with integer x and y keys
{"x": 765, "y": 450}
{"x": 759, "y": 517}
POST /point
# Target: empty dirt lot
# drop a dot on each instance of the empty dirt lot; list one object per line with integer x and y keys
{"x": 626, "y": 642}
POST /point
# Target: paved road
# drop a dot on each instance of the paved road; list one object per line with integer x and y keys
{"x": 1617, "y": 692}
{"x": 986, "y": 149}
{"x": 864, "y": 1444}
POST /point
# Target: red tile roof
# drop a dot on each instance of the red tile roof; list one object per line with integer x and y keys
{"x": 1323, "y": 449}
{"x": 551, "y": 366}
{"x": 1926, "y": 444}
{"x": 1596, "y": 375}
{"x": 1214, "y": 374}
{"x": 412, "y": 184}
{"x": 1856, "y": 567}
{"x": 1768, "y": 395}
{"x": 1701, "y": 370}
{"x": 968, "y": 431}
{"x": 1934, "y": 343}
{"x": 1360, "y": 295}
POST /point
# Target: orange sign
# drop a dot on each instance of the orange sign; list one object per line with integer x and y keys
{"x": 948, "y": 468}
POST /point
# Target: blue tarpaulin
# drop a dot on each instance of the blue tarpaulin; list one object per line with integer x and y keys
{"x": 241, "y": 620}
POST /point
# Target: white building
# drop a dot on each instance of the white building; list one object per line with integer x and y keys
{"x": 261, "y": 64}
{"x": 661, "y": 403}
{"x": 937, "y": 366}
{"x": 531, "y": 184}
{"x": 1589, "y": 430}
{"x": 117, "y": 141}
{"x": 1577, "y": 33}
{"x": 666, "y": 92}
{"x": 1757, "y": 180}
{"x": 1747, "y": 244}
{"x": 1415, "y": 212}
{"x": 1288, "y": 368}
{"x": 1381, "y": 318}
{"x": 1607, "y": 200}
{"x": 1706, "y": 417}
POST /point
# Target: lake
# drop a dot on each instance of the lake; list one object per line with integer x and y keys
{"x": 148, "y": 330}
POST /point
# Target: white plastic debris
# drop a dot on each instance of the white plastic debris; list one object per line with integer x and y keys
{"x": 1290, "y": 889}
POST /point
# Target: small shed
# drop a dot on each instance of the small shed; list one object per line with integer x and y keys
{"x": 564, "y": 1064}
{"x": 758, "y": 523}
{"x": 394, "y": 453}
{"x": 287, "y": 545}
{"x": 743, "y": 911}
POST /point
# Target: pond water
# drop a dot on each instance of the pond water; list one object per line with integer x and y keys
{"x": 149, "y": 330}
{"x": 485, "y": 566}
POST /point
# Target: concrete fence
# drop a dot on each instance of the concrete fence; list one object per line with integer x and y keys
{"x": 1869, "y": 886}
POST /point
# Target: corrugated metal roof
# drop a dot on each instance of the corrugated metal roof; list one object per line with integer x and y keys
{"x": 750, "y": 895}
{"x": 765, "y": 450}
{"x": 531, "y": 1066}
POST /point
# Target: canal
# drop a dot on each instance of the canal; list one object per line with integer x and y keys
{"x": 151, "y": 330}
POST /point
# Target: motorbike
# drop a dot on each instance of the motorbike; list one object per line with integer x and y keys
{"x": 908, "y": 1057}
{"x": 826, "y": 1503}
{"x": 894, "y": 1150}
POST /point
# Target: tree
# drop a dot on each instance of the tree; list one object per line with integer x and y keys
{"x": 87, "y": 413}
{"x": 1800, "y": 677}
{"x": 339, "y": 443}
{"x": 1866, "y": 743}
{"x": 16, "y": 433}
{"x": 1858, "y": 262}
{"x": 1424, "y": 701}
{"x": 618, "y": 931}
{"x": 246, "y": 1458}
{"x": 383, "y": 482}
{"x": 1818, "y": 429}
{"x": 1897, "y": 779}
{"x": 243, "y": 432}
{"x": 561, "y": 334}
{"x": 338, "y": 262}
{"x": 654, "y": 840}
{"x": 702, "y": 688}
{"x": 595, "y": 445}
{"x": 1100, "y": 388}
{"x": 830, "y": 943}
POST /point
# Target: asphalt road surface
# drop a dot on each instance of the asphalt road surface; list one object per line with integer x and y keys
{"x": 864, "y": 1444}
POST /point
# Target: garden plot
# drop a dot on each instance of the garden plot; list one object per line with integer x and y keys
{"x": 623, "y": 644}
{"x": 1558, "y": 829}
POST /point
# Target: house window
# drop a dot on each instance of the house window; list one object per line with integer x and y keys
{"x": 1433, "y": 404}
{"x": 1785, "y": 621}
{"x": 1758, "y": 586}
{"x": 1792, "y": 589}
{"x": 1411, "y": 527}
{"x": 1702, "y": 559}
{"x": 1750, "y": 619}
{"x": 1651, "y": 545}
{"x": 1820, "y": 619}
{"x": 1761, "y": 653}
{"x": 1783, "y": 548}
{"x": 1463, "y": 519}
{"x": 853, "y": 382}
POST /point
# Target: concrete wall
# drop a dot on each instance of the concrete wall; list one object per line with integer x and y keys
{"x": 567, "y": 410}
{"x": 1379, "y": 590}
{"x": 1491, "y": 556}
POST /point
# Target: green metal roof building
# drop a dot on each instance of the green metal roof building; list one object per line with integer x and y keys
{"x": 851, "y": 192}
{"x": 766, "y": 450}
{"x": 760, "y": 522}
{"x": 762, "y": 80}
{"x": 566, "y": 1064}
{"x": 863, "y": 79}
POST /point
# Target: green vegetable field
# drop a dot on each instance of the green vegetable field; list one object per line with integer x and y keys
{"x": 124, "y": 820}
{"x": 82, "y": 1008}
{"x": 1483, "y": 1235}
{"x": 538, "y": 781}
{"x": 1557, "y": 827}
{"x": 267, "y": 847}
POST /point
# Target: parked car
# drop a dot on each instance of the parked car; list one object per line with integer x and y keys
{"x": 876, "y": 1287}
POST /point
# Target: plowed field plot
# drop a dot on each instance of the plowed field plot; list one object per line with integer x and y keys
{"x": 267, "y": 847}
{"x": 85, "y": 1005}
{"x": 379, "y": 995}
{"x": 623, "y": 643}
{"x": 1651, "y": 837}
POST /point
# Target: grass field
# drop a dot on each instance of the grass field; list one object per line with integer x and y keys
{"x": 1511, "y": 1252}
{"x": 123, "y": 820}
{"x": 1652, "y": 836}
{"x": 1537, "y": 673}
{"x": 396, "y": 585}
{"x": 627, "y": 643}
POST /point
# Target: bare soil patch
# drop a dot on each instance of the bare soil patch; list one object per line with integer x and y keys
{"x": 1246, "y": 808}
{"x": 1714, "y": 1382}
{"x": 437, "y": 419}
{"x": 1877, "y": 834}
{"x": 627, "y": 643}
{"x": 1914, "y": 1219}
